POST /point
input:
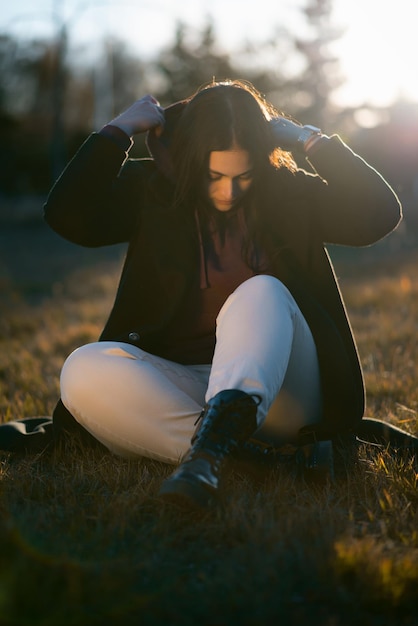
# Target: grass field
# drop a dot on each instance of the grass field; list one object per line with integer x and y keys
{"x": 84, "y": 539}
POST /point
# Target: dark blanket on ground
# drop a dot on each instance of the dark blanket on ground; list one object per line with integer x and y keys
{"x": 35, "y": 434}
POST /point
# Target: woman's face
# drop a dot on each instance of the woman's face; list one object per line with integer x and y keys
{"x": 230, "y": 175}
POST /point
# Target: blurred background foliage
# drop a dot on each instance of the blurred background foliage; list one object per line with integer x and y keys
{"x": 53, "y": 95}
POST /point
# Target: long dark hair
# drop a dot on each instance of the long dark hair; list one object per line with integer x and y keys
{"x": 217, "y": 117}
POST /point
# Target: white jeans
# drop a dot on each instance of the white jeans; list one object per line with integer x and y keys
{"x": 138, "y": 404}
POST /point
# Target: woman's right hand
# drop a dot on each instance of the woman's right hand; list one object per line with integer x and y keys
{"x": 142, "y": 115}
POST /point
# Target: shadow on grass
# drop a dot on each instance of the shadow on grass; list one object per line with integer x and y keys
{"x": 86, "y": 541}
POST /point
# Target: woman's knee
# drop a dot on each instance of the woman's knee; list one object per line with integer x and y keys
{"x": 264, "y": 288}
{"x": 76, "y": 373}
{"x": 80, "y": 361}
{"x": 260, "y": 295}
{"x": 94, "y": 366}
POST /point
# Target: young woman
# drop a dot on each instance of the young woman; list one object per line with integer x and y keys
{"x": 228, "y": 324}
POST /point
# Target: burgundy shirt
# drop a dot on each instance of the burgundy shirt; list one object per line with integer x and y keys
{"x": 190, "y": 337}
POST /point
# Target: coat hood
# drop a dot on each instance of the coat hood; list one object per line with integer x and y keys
{"x": 158, "y": 141}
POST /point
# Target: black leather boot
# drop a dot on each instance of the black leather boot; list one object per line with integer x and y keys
{"x": 227, "y": 420}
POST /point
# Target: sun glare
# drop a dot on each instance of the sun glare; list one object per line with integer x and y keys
{"x": 378, "y": 51}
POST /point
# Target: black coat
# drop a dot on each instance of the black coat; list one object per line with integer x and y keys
{"x": 98, "y": 202}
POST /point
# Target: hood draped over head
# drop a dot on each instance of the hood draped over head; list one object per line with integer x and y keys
{"x": 217, "y": 117}
{"x": 158, "y": 140}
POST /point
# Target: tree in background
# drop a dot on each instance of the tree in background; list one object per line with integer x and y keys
{"x": 321, "y": 75}
{"x": 191, "y": 61}
{"x": 26, "y": 113}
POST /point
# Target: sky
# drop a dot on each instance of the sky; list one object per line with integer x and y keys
{"x": 378, "y": 50}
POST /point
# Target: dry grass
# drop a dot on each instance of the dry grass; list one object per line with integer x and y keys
{"x": 383, "y": 309}
{"x": 85, "y": 541}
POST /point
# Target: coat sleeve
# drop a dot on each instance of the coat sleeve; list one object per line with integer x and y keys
{"x": 96, "y": 200}
{"x": 353, "y": 204}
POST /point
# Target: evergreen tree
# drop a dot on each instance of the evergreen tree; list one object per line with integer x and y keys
{"x": 321, "y": 75}
{"x": 189, "y": 63}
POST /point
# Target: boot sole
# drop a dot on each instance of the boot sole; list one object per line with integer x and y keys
{"x": 186, "y": 495}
